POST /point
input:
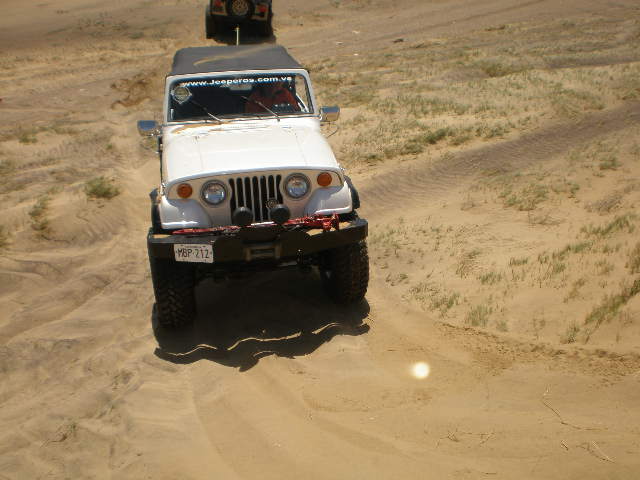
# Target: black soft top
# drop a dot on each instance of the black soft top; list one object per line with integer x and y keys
{"x": 223, "y": 59}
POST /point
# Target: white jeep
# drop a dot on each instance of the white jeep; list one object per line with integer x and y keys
{"x": 248, "y": 181}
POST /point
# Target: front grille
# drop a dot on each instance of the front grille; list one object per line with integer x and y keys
{"x": 253, "y": 193}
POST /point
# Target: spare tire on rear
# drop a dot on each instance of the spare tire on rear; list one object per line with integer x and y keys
{"x": 240, "y": 9}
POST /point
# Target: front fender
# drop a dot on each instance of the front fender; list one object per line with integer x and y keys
{"x": 326, "y": 201}
{"x": 177, "y": 214}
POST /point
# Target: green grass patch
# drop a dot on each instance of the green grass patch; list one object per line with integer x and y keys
{"x": 570, "y": 102}
{"x": 611, "y": 304}
{"x": 27, "y": 136}
{"x": 526, "y": 199}
{"x": 6, "y": 167}
{"x": 518, "y": 262}
{"x": 610, "y": 163}
{"x": 633, "y": 263}
{"x": 502, "y": 325}
{"x": 441, "y": 301}
{"x": 38, "y": 214}
{"x": 558, "y": 267}
{"x": 491, "y": 131}
{"x": 575, "y": 290}
{"x": 444, "y": 302}
{"x": 101, "y": 187}
{"x": 579, "y": 247}
{"x": 418, "y": 105}
{"x": 604, "y": 267}
{"x": 571, "y": 334}
{"x": 619, "y": 223}
{"x": 418, "y": 143}
{"x": 496, "y": 68}
{"x": 490, "y": 278}
{"x": 478, "y": 316}
{"x": 4, "y": 237}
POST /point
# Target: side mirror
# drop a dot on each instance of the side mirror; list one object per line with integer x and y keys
{"x": 147, "y": 128}
{"x": 329, "y": 114}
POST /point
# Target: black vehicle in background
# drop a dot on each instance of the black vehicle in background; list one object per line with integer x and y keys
{"x": 221, "y": 15}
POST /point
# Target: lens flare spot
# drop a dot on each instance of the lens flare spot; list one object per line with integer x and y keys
{"x": 421, "y": 370}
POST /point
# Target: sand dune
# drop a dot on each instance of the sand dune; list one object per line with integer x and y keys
{"x": 495, "y": 145}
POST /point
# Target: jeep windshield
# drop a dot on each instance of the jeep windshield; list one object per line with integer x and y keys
{"x": 238, "y": 96}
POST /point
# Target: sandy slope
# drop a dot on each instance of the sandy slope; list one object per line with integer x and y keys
{"x": 288, "y": 385}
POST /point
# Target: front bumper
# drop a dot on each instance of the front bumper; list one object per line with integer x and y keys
{"x": 259, "y": 243}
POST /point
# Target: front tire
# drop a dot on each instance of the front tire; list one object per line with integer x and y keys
{"x": 174, "y": 288}
{"x": 209, "y": 24}
{"x": 345, "y": 273}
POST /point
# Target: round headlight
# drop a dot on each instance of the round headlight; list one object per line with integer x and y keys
{"x": 296, "y": 185}
{"x": 214, "y": 193}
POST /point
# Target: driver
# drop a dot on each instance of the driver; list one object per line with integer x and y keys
{"x": 269, "y": 95}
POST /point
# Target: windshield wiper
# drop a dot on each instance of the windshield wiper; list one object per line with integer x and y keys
{"x": 204, "y": 109}
{"x": 260, "y": 104}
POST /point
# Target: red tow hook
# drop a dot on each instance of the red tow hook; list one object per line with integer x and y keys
{"x": 325, "y": 222}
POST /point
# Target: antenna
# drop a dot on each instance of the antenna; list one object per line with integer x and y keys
{"x": 237, "y": 29}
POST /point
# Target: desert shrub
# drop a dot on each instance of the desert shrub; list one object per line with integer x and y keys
{"x": 571, "y": 334}
{"x": 38, "y": 214}
{"x": 609, "y": 163}
{"x": 611, "y": 304}
{"x": 634, "y": 259}
{"x": 518, "y": 262}
{"x": 4, "y": 237}
{"x": 621, "y": 222}
{"x": 444, "y": 302}
{"x": 6, "y": 167}
{"x": 526, "y": 199}
{"x": 101, "y": 187}
{"x": 490, "y": 278}
{"x": 479, "y": 315}
{"x": 496, "y": 68}
{"x": 27, "y": 136}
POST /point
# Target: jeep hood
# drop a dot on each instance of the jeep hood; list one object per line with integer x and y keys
{"x": 191, "y": 151}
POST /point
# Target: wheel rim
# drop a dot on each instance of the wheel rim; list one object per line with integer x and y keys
{"x": 239, "y": 8}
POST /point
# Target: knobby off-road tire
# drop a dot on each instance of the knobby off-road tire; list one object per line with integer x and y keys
{"x": 210, "y": 29}
{"x": 265, "y": 29}
{"x": 174, "y": 287}
{"x": 345, "y": 273}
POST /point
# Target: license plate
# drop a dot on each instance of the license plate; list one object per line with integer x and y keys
{"x": 186, "y": 252}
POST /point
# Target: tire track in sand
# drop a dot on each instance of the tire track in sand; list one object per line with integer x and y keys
{"x": 417, "y": 182}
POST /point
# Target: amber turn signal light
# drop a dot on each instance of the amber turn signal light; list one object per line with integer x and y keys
{"x": 324, "y": 179}
{"x": 184, "y": 190}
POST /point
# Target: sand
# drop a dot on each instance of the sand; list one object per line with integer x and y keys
{"x": 471, "y": 278}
